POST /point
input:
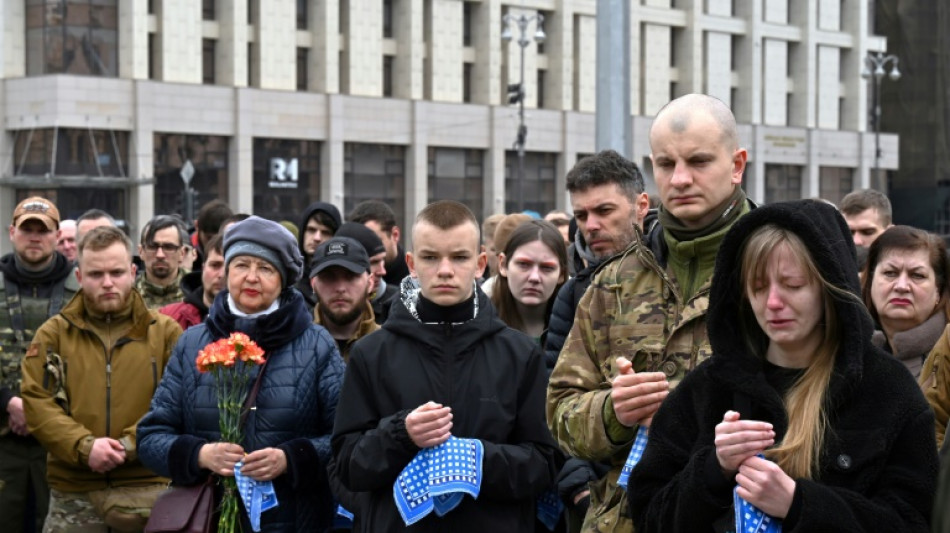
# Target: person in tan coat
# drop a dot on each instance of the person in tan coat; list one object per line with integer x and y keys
{"x": 88, "y": 377}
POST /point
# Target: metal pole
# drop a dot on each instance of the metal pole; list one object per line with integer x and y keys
{"x": 877, "y": 127}
{"x": 523, "y": 42}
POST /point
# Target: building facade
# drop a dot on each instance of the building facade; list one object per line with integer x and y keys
{"x": 273, "y": 104}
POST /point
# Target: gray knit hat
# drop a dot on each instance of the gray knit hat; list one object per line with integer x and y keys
{"x": 266, "y": 240}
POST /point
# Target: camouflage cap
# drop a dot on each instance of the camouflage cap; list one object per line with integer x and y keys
{"x": 37, "y": 208}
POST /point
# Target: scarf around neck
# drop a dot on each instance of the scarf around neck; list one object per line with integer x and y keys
{"x": 729, "y": 213}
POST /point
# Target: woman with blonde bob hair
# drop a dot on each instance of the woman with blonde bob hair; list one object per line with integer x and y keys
{"x": 796, "y": 412}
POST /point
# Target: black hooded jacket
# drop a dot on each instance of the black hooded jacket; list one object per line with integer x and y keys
{"x": 303, "y": 284}
{"x": 878, "y": 467}
{"x": 493, "y": 379}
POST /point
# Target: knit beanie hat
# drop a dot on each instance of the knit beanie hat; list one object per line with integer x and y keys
{"x": 265, "y": 240}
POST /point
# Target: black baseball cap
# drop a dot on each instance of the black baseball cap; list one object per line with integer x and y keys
{"x": 340, "y": 251}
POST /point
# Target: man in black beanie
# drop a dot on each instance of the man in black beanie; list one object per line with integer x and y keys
{"x": 382, "y": 294}
{"x": 318, "y": 222}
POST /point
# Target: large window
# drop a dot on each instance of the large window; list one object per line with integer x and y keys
{"x": 78, "y": 152}
{"x": 205, "y": 156}
{"x": 835, "y": 182}
{"x": 375, "y": 172}
{"x": 782, "y": 183}
{"x": 457, "y": 174}
{"x": 286, "y": 177}
{"x": 72, "y": 36}
{"x": 535, "y": 190}
{"x": 74, "y": 201}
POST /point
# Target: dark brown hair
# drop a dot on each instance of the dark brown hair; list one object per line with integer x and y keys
{"x": 908, "y": 239}
{"x": 528, "y": 232}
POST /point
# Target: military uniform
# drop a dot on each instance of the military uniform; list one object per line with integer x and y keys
{"x": 25, "y": 304}
{"x": 157, "y": 296}
{"x": 634, "y": 308}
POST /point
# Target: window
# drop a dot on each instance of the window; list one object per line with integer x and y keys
{"x": 154, "y": 57}
{"x": 375, "y": 172}
{"x": 782, "y": 183}
{"x": 207, "y": 61}
{"x": 536, "y": 190}
{"x": 303, "y": 56}
{"x": 286, "y": 177}
{"x": 302, "y": 19}
{"x": 467, "y": 9}
{"x": 78, "y": 152}
{"x": 835, "y": 182}
{"x": 208, "y": 155}
{"x": 72, "y": 37}
{"x": 388, "y": 76}
{"x": 251, "y": 71}
{"x": 457, "y": 174}
{"x": 467, "y": 81}
{"x": 207, "y": 9}
{"x": 387, "y": 19}
{"x": 542, "y": 78}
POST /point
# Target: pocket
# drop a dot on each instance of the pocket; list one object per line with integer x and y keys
{"x": 608, "y": 508}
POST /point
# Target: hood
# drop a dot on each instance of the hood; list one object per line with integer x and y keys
{"x": 826, "y": 235}
{"x": 327, "y": 208}
{"x": 582, "y": 252}
{"x": 60, "y": 269}
{"x": 404, "y": 320}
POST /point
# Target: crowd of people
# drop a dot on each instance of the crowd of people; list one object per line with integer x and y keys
{"x": 614, "y": 368}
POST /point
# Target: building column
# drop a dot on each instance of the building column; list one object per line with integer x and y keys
{"x": 231, "y": 51}
{"x": 332, "y": 154}
{"x": 241, "y": 155}
{"x": 417, "y": 168}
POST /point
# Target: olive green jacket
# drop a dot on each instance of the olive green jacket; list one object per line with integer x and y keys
{"x": 634, "y": 309}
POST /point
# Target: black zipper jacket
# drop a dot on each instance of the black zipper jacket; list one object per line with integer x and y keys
{"x": 491, "y": 376}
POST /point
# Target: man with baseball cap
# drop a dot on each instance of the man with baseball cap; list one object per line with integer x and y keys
{"x": 35, "y": 283}
{"x": 381, "y": 294}
{"x": 340, "y": 277}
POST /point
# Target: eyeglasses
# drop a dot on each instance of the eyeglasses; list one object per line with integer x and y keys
{"x": 168, "y": 248}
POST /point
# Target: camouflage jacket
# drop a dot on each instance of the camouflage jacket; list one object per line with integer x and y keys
{"x": 36, "y": 307}
{"x": 634, "y": 309}
{"x": 156, "y": 296}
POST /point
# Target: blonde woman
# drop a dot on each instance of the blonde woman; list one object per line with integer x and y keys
{"x": 796, "y": 410}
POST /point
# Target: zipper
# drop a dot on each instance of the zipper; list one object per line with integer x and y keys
{"x": 450, "y": 361}
{"x": 108, "y": 354}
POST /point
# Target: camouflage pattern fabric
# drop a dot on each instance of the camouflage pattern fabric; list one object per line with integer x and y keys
{"x": 634, "y": 309}
{"x": 156, "y": 296}
{"x": 72, "y": 512}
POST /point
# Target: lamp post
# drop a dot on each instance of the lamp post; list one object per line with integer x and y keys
{"x": 516, "y": 91}
{"x": 877, "y": 65}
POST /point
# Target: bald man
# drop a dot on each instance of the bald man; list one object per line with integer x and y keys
{"x": 618, "y": 336}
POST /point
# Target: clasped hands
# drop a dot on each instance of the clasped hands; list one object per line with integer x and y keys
{"x": 760, "y": 481}
{"x": 636, "y": 396}
{"x": 261, "y": 465}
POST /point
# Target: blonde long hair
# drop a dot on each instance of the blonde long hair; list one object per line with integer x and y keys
{"x": 800, "y": 449}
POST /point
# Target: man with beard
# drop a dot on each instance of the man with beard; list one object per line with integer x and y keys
{"x": 340, "y": 277}
{"x": 35, "y": 282}
{"x": 200, "y": 288}
{"x": 88, "y": 377}
{"x": 163, "y": 252}
{"x": 381, "y": 294}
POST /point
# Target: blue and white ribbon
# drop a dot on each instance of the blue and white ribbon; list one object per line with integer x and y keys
{"x": 258, "y": 496}
{"x": 636, "y": 452}
{"x": 438, "y": 478}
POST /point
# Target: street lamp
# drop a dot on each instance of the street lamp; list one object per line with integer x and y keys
{"x": 516, "y": 91}
{"x": 877, "y": 65}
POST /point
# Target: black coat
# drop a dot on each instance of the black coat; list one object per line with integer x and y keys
{"x": 493, "y": 379}
{"x": 878, "y": 467}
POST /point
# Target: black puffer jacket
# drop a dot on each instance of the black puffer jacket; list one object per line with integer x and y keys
{"x": 294, "y": 411}
{"x": 493, "y": 379}
{"x": 878, "y": 468}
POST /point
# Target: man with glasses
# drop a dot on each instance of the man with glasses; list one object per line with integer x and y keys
{"x": 162, "y": 252}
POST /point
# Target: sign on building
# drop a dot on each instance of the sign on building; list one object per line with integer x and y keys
{"x": 283, "y": 173}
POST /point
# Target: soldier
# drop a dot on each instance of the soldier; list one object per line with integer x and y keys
{"x": 88, "y": 377}
{"x": 35, "y": 281}
{"x": 163, "y": 252}
{"x": 647, "y": 305}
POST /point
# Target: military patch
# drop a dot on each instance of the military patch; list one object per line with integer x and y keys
{"x": 33, "y": 351}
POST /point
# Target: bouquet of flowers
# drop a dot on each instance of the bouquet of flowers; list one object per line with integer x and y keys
{"x": 230, "y": 361}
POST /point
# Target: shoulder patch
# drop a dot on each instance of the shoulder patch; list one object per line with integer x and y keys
{"x": 33, "y": 351}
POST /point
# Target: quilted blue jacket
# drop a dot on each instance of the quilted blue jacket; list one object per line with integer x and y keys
{"x": 294, "y": 411}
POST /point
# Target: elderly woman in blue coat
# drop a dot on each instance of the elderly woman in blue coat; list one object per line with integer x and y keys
{"x": 287, "y": 435}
